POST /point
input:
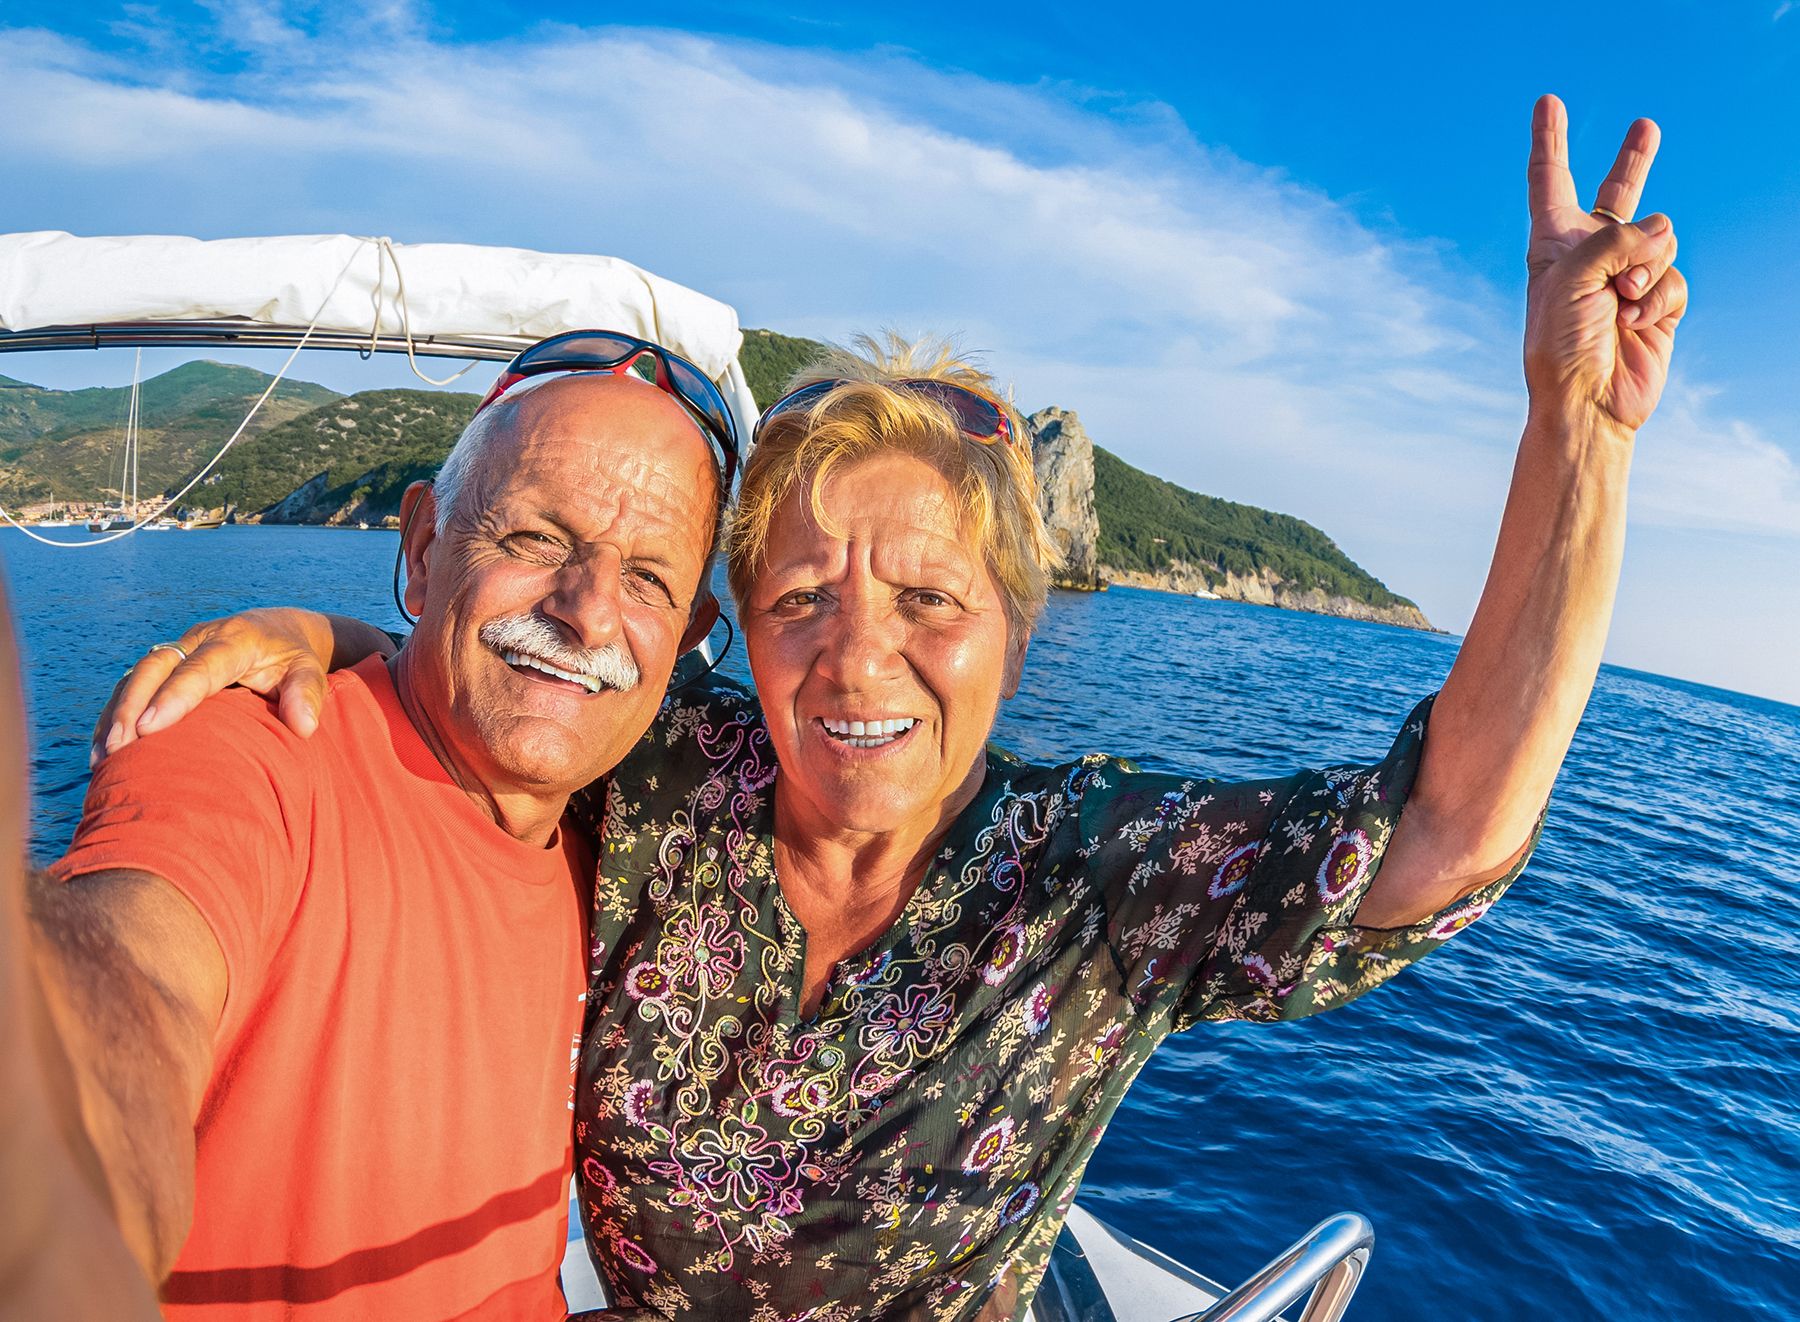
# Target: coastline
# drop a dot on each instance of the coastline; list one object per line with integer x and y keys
{"x": 1266, "y": 589}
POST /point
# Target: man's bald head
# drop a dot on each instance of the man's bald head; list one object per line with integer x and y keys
{"x": 569, "y": 407}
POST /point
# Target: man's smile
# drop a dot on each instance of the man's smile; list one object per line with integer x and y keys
{"x": 536, "y": 668}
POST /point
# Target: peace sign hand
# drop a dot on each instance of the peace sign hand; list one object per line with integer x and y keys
{"x": 1604, "y": 297}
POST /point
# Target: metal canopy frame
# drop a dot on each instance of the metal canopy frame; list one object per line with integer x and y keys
{"x": 255, "y": 335}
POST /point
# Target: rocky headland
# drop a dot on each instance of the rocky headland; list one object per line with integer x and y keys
{"x": 1258, "y": 557}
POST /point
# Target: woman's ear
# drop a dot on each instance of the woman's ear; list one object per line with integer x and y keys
{"x": 1016, "y": 647}
{"x": 418, "y": 530}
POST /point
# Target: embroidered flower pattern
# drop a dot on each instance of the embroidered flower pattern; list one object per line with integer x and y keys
{"x": 1449, "y": 924}
{"x": 906, "y": 1149}
{"x": 1234, "y": 871}
{"x": 637, "y": 1098}
{"x": 989, "y": 1147}
{"x": 647, "y": 982}
{"x": 1009, "y": 949}
{"x": 1345, "y": 865}
{"x": 1036, "y": 1010}
{"x": 1019, "y": 1203}
{"x": 632, "y": 1255}
{"x": 907, "y": 1023}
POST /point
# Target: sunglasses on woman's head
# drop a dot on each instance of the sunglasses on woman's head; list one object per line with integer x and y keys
{"x": 977, "y": 417}
{"x": 617, "y": 353}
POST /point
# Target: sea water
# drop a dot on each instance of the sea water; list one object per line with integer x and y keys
{"x": 1588, "y": 1106}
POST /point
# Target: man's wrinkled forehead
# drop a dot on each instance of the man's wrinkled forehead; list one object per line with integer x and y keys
{"x": 607, "y": 445}
{"x": 624, "y": 408}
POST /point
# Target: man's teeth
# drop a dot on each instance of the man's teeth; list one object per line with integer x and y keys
{"x": 868, "y": 734}
{"x": 587, "y": 682}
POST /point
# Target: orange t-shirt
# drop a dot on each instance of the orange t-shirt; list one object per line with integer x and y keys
{"x": 386, "y": 1134}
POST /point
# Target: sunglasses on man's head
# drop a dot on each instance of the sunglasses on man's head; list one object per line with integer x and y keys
{"x": 617, "y": 353}
{"x": 977, "y": 417}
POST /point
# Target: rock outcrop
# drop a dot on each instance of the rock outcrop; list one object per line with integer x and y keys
{"x": 1064, "y": 458}
{"x": 317, "y": 501}
{"x": 301, "y": 504}
{"x": 1264, "y": 588}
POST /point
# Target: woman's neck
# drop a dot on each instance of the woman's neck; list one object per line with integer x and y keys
{"x": 847, "y": 888}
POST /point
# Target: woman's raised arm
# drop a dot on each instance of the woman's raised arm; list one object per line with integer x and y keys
{"x": 1601, "y": 310}
{"x": 278, "y": 651}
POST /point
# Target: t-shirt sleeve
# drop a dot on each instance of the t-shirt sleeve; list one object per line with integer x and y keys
{"x": 219, "y": 807}
{"x": 1236, "y": 900}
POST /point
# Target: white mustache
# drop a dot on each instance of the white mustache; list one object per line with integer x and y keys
{"x": 536, "y": 637}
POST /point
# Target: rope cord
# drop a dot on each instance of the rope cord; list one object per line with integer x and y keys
{"x": 384, "y": 254}
{"x": 384, "y": 248}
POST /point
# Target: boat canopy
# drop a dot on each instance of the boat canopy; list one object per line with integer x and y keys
{"x": 340, "y": 291}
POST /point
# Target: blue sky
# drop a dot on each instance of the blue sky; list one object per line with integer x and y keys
{"x": 1269, "y": 252}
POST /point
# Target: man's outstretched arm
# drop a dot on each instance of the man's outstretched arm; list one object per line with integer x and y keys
{"x": 132, "y": 982}
{"x": 110, "y": 987}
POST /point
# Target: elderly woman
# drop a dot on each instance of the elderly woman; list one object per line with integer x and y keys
{"x": 865, "y": 991}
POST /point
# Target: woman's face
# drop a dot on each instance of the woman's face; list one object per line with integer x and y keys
{"x": 880, "y": 652}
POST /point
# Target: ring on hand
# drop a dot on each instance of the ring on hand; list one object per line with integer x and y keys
{"x": 176, "y": 648}
{"x": 1613, "y": 216}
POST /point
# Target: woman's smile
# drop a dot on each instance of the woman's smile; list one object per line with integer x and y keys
{"x": 882, "y": 732}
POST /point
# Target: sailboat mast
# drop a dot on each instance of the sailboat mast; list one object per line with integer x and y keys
{"x": 131, "y": 431}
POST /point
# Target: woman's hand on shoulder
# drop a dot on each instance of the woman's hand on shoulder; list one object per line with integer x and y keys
{"x": 280, "y": 652}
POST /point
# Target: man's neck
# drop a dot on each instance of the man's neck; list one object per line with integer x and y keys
{"x": 524, "y": 815}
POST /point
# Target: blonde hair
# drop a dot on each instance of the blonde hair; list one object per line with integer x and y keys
{"x": 864, "y": 415}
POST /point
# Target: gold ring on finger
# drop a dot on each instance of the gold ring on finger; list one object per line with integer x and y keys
{"x": 176, "y": 648}
{"x": 1605, "y": 214}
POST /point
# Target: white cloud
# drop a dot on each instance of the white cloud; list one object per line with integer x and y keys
{"x": 1697, "y": 470}
{"x": 253, "y": 24}
{"x": 1212, "y": 320}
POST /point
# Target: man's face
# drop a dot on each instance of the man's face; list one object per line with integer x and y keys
{"x": 577, "y": 545}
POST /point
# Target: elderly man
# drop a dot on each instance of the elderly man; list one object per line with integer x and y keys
{"x": 304, "y": 1007}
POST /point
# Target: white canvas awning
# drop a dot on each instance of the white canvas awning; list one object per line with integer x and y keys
{"x": 439, "y": 294}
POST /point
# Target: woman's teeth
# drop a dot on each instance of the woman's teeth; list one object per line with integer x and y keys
{"x": 868, "y": 734}
{"x": 588, "y": 682}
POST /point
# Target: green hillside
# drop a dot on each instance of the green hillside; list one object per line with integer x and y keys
{"x": 378, "y": 439}
{"x": 1146, "y": 522}
{"x": 769, "y": 359}
{"x": 68, "y": 444}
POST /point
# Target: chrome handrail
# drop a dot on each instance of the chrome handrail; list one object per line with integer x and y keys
{"x": 1328, "y": 1260}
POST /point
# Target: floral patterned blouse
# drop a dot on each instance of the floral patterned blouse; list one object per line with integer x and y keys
{"x": 910, "y": 1150}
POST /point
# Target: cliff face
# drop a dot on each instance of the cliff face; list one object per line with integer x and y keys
{"x": 1064, "y": 458}
{"x": 361, "y": 500}
{"x": 1265, "y": 588}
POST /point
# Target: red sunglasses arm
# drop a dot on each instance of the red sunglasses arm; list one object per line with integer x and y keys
{"x": 503, "y": 383}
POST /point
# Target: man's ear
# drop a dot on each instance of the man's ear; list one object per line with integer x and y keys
{"x": 1016, "y": 647}
{"x": 418, "y": 530}
{"x": 701, "y": 618}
